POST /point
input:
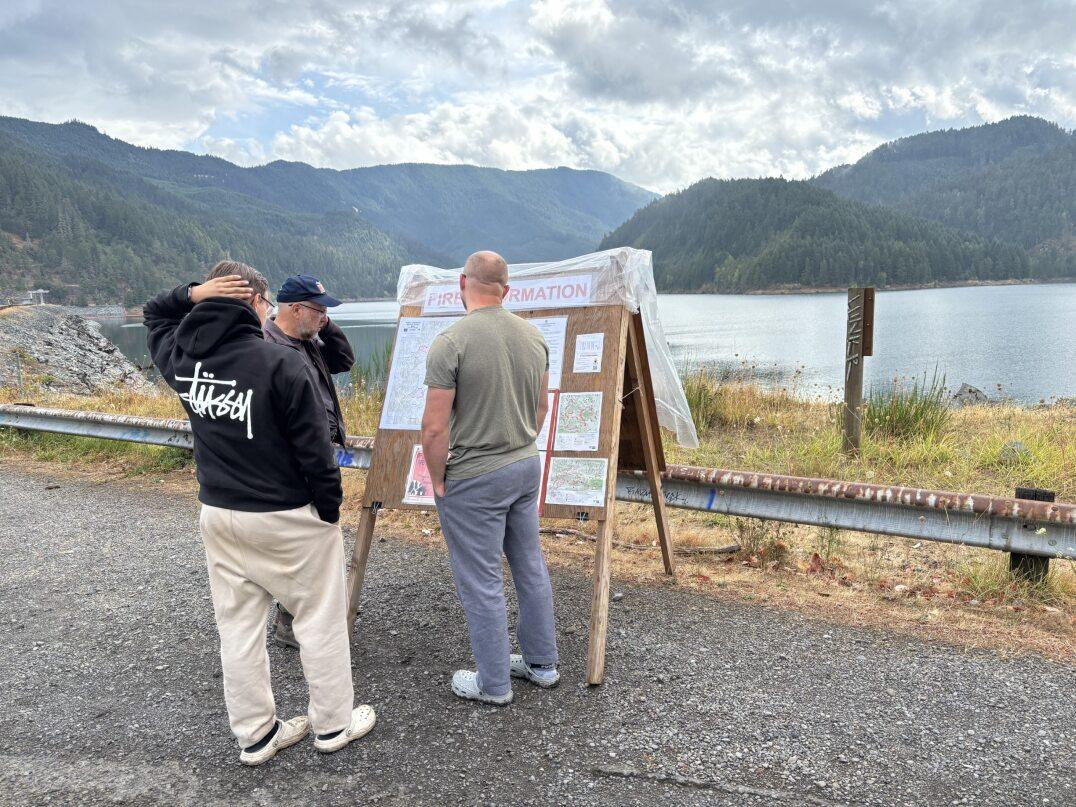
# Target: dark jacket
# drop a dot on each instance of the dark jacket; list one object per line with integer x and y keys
{"x": 261, "y": 439}
{"x": 330, "y": 352}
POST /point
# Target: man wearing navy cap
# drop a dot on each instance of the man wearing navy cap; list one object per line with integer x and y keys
{"x": 302, "y": 323}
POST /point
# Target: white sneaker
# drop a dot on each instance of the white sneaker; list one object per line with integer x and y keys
{"x": 465, "y": 684}
{"x": 543, "y": 678}
{"x": 362, "y": 721}
{"x": 288, "y": 733}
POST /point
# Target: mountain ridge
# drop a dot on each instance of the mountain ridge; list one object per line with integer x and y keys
{"x": 564, "y": 221}
{"x": 1013, "y": 180}
{"x": 91, "y": 214}
{"x": 758, "y": 234}
{"x": 92, "y": 233}
{"x": 98, "y": 219}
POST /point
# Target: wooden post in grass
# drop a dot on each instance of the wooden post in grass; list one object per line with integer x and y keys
{"x": 858, "y": 343}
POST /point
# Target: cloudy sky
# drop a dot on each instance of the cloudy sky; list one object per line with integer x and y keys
{"x": 660, "y": 93}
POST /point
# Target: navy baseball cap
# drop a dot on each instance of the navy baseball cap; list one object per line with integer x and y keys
{"x": 304, "y": 288}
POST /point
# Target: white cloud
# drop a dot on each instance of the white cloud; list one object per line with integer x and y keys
{"x": 248, "y": 151}
{"x": 659, "y": 93}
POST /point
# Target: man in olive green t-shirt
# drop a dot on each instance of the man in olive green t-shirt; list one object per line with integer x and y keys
{"x": 487, "y": 377}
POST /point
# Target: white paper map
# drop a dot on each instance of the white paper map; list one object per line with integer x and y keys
{"x": 575, "y": 480}
{"x": 553, "y": 329}
{"x": 579, "y": 419}
{"x": 405, "y": 395}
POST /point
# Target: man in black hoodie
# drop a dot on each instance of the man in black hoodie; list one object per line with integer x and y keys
{"x": 271, "y": 495}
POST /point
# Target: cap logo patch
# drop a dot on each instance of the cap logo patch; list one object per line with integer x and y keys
{"x": 321, "y": 289}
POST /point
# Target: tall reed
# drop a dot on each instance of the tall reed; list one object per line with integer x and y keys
{"x": 906, "y": 412}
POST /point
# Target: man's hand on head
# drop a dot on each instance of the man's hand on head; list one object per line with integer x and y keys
{"x": 227, "y": 286}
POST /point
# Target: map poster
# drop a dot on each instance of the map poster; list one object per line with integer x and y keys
{"x": 576, "y": 480}
{"x": 405, "y": 395}
{"x": 579, "y": 418}
{"x": 588, "y": 353}
{"x": 418, "y": 488}
{"x": 547, "y": 425}
{"x": 552, "y": 330}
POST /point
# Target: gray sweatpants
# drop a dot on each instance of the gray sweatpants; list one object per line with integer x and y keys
{"x": 482, "y": 517}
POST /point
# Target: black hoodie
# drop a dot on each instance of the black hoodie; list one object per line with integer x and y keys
{"x": 261, "y": 439}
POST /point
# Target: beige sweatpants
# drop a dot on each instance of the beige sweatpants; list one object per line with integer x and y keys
{"x": 297, "y": 558}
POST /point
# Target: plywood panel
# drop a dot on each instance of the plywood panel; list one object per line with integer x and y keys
{"x": 612, "y": 321}
{"x": 392, "y": 457}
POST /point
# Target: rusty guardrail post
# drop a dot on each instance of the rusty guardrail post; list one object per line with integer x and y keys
{"x": 1033, "y": 568}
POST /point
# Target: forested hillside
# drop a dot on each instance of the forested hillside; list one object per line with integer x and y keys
{"x": 1014, "y": 181}
{"x": 90, "y": 233}
{"x": 97, "y": 219}
{"x": 452, "y": 210}
{"x": 748, "y": 234}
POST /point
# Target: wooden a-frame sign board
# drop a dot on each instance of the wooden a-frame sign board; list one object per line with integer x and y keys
{"x": 629, "y": 438}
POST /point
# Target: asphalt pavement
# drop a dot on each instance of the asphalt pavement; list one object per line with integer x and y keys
{"x": 111, "y": 685}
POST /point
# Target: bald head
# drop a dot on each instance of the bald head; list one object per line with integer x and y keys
{"x": 487, "y": 268}
{"x": 484, "y": 280}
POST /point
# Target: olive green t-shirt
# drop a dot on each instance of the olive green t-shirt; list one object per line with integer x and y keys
{"x": 495, "y": 362}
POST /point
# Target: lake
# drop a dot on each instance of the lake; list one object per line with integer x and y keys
{"x": 1016, "y": 341}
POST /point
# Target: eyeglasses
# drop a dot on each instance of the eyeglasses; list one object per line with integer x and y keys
{"x": 322, "y": 311}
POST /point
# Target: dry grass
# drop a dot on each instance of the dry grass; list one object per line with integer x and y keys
{"x": 157, "y": 405}
{"x": 759, "y": 430}
{"x": 778, "y": 433}
{"x": 951, "y": 593}
{"x": 362, "y": 413}
{"x": 134, "y": 458}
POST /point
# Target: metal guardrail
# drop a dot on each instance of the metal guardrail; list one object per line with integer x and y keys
{"x": 1023, "y": 527}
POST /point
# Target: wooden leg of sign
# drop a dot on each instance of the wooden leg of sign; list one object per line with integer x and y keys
{"x": 657, "y": 495}
{"x": 650, "y": 436}
{"x": 359, "y": 557}
{"x": 599, "y": 608}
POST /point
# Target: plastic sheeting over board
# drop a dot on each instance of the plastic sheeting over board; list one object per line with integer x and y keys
{"x": 621, "y": 276}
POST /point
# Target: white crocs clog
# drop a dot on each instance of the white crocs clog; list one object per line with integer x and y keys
{"x": 546, "y": 679}
{"x": 465, "y": 685}
{"x": 288, "y": 733}
{"x": 362, "y": 722}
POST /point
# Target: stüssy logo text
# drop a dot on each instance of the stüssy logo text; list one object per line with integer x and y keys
{"x": 205, "y": 401}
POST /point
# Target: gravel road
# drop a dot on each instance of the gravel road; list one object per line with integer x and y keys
{"x": 111, "y": 685}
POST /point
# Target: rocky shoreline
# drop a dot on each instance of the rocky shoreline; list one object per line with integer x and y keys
{"x": 44, "y": 347}
{"x": 97, "y": 311}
